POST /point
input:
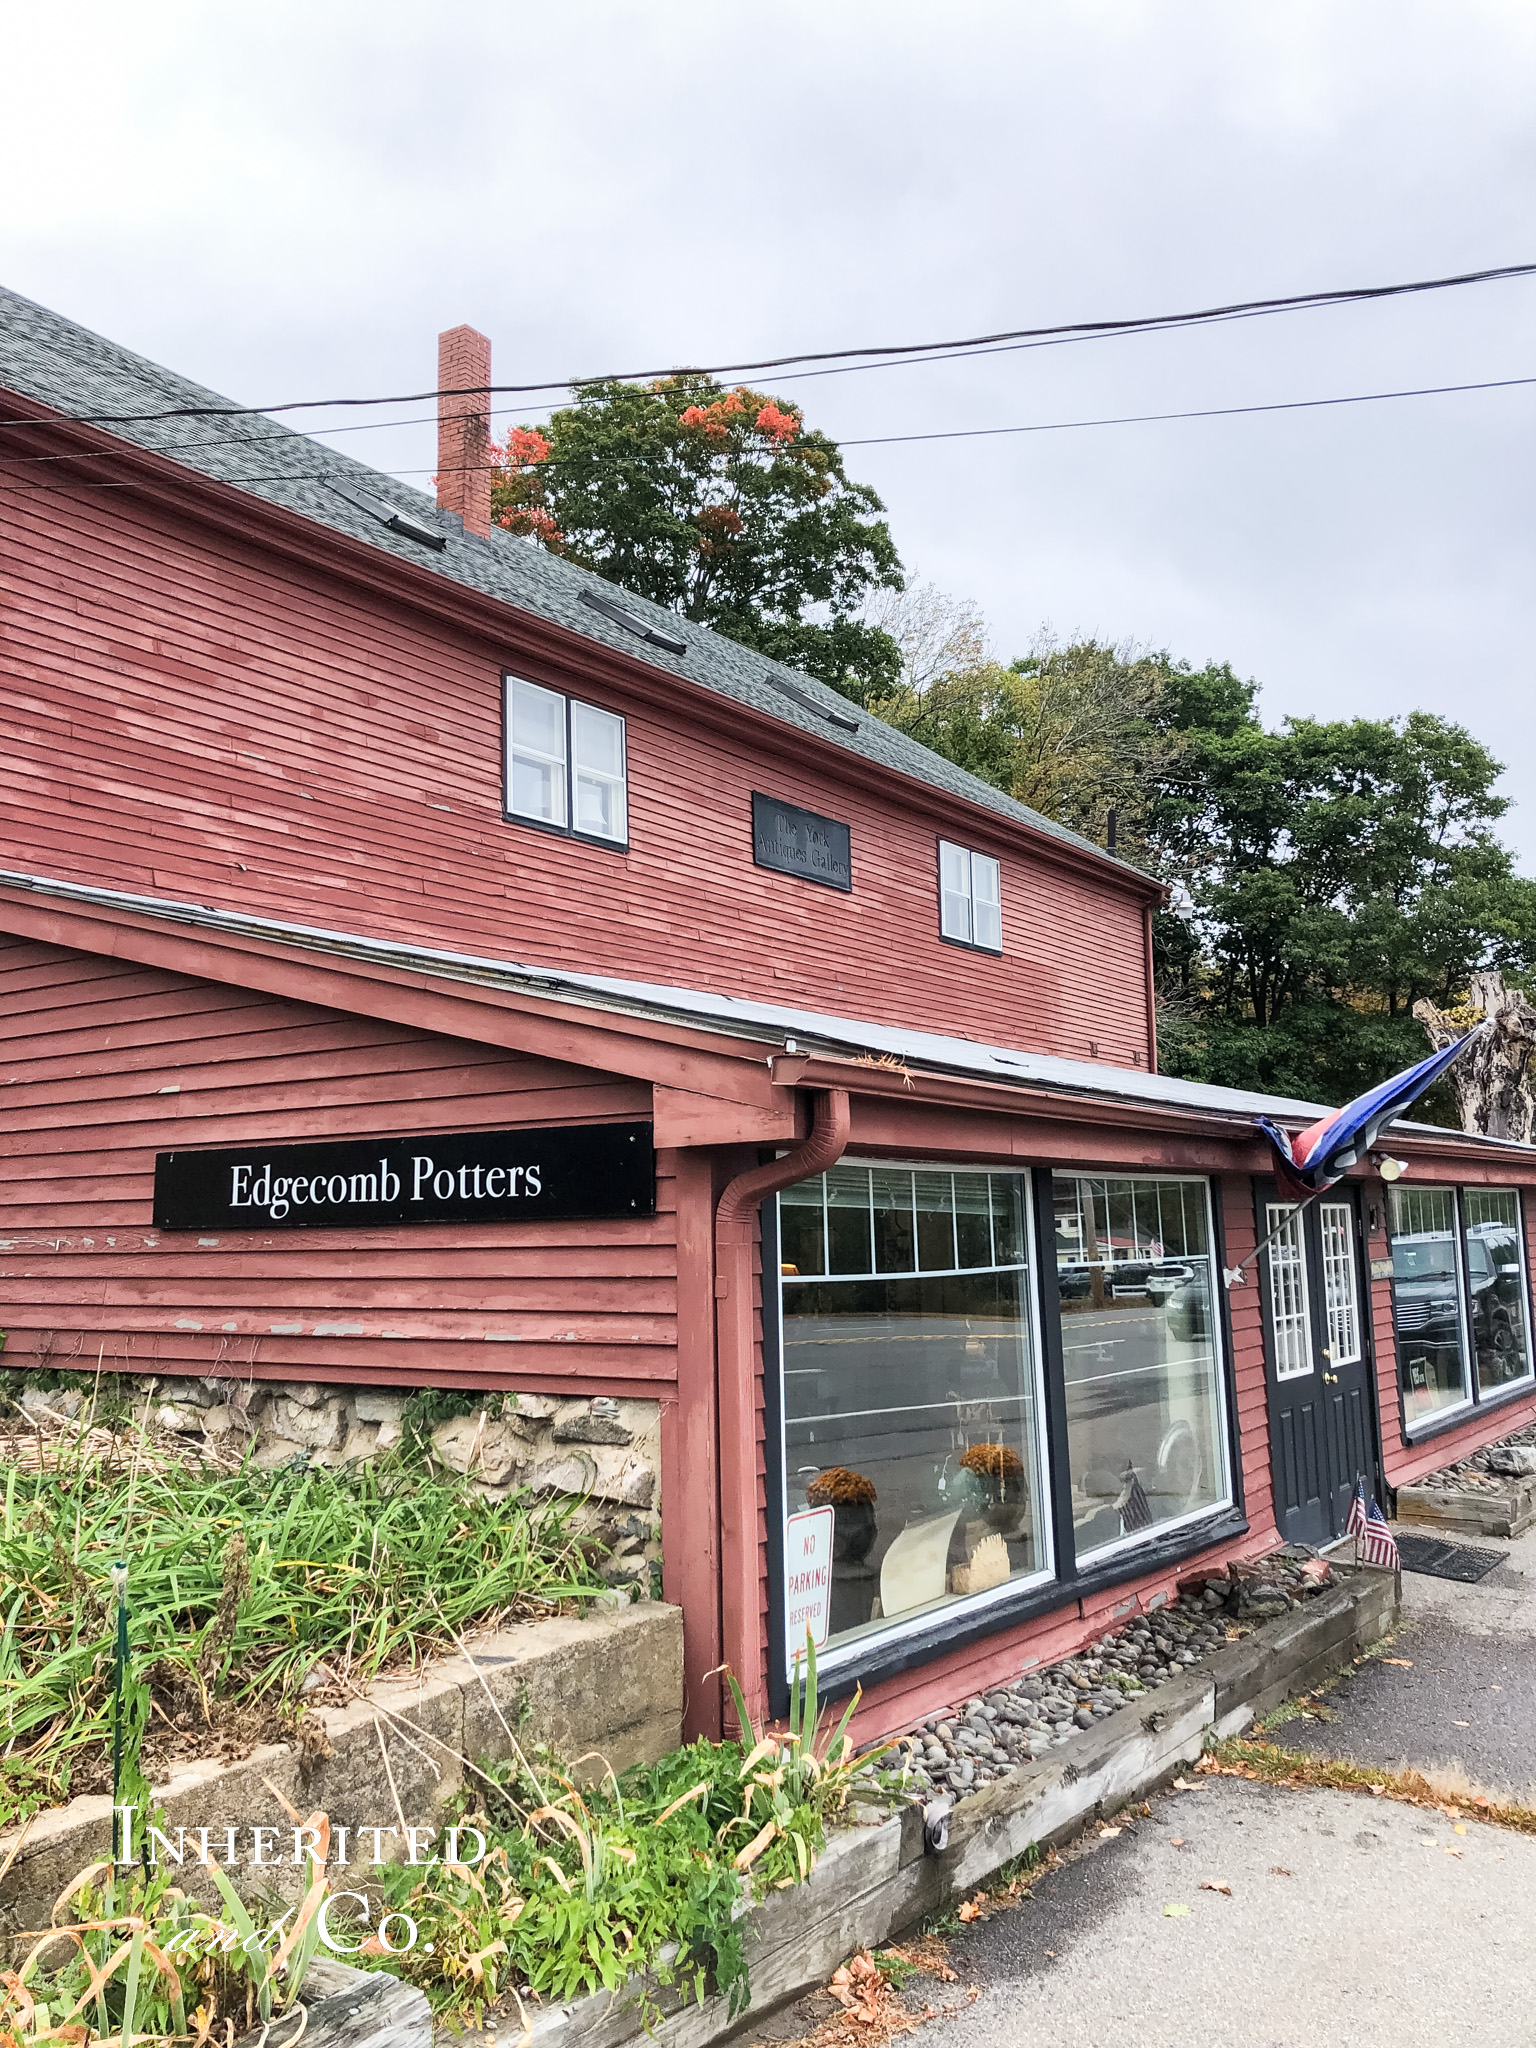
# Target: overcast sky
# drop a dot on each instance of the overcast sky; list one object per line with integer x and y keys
{"x": 291, "y": 200}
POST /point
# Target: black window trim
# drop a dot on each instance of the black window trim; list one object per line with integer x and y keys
{"x": 1445, "y": 1420}
{"x": 569, "y": 830}
{"x": 958, "y": 1628}
{"x": 971, "y": 945}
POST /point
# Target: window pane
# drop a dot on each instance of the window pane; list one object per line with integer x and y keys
{"x": 911, "y": 1409}
{"x": 849, "y": 1245}
{"x": 935, "y": 1221}
{"x": 1142, "y": 1367}
{"x": 1495, "y": 1269}
{"x": 954, "y": 891}
{"x": 802, "y": 1227}
{"x": 973, "y": 1218}
{"x": 895, "y": 1240}
{"x": 1426, "y": 1302}
{"x": 1341, "y": 1286}
{"x": 986, "y": 902}
{"x": 536, "y": 753}
{"x": 1290, "y": 1312}
{"x": 597, "y": 751}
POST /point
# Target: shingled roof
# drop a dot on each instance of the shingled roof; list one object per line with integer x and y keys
{"x": 59, "y": 364}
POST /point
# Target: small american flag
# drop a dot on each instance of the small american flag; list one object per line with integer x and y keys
{"x": 1374, "y": 1541}
{"x": 1133, "y": 1507}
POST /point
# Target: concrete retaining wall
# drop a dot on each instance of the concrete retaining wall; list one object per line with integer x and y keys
{"x": 608, "y": 1687}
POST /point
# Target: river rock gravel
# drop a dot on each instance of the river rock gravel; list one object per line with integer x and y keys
{"x": 991, "y": 1734}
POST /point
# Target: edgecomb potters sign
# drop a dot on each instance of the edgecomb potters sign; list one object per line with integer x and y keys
{"x": 570, "y": 1172}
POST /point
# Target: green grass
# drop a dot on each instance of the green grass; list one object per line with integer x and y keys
{"x": 239, "y": 1585}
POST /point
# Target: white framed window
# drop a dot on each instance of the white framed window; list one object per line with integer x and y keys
{"x": 565, "y": 764}
{"x": 970, "y": 898}
{"x": 1291, "y": 1312}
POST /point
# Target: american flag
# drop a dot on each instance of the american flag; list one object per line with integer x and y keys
{"x": 1374, "y": 1541}
{"x": 1134, "y": 1509}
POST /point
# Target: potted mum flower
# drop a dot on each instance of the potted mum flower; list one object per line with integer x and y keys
{"x": 852, "y": 1498}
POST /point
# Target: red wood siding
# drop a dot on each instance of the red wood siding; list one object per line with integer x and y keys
{"x": 184, "y": 716}
{"x": 1244, "y": 1307}
{"x": 103, "y": 1064}
{"x": 1404, "y": 1463}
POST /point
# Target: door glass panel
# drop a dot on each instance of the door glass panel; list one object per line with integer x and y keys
{"x": 1341, "y": 1289}
{"x": 1426, "y": 1302}
{"x": 1137, "y": 1280}
{"x": 1495, "y": 1270}
{"x": 1290, "y": 1313}
{"x": 912, "y": 1407}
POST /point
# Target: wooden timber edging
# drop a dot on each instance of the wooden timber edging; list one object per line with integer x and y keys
{"x": 874, "y": 1880}
{"x": 1507, "y": 1510}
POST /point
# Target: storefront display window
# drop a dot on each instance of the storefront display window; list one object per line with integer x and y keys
{"x": 1458, "y": 1296}
{"x": 1426, "y": 1302}
{"x": 1146, "y": 1432}
{"x": 914, "y": 1473}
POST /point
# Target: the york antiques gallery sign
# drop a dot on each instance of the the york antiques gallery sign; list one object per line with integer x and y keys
{"x": 575, "y": 1171}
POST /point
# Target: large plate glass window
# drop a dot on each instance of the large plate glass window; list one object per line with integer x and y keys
{"x": 970, "y": 898}
{"x": 565, "y": 766}
{"x": 914, "y": 1469}
{"x": 1460, "y": 1303}
{"x": 1146, "y": 1425}
{"x": 1493, "y": 1256}
{"x": 1426, "y": 1302}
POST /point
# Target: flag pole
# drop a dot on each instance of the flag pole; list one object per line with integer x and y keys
{"x": 1233, "y": 1275}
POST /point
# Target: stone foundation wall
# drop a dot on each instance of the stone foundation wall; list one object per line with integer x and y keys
{"x": 601, "y": 1452}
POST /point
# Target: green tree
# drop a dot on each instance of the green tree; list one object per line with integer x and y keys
{"x": 720, "y": 504}
{"x": 1326, "y": 876}
{"x": 1323, "y": 877}
{"x": 1073, "y": 731}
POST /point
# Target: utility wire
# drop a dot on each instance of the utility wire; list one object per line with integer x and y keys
{"x": 345, "y": 480}
{"x": 1077, "y": 329}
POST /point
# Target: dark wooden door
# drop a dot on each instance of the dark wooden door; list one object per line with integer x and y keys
{"x": 1317, "y": 1362}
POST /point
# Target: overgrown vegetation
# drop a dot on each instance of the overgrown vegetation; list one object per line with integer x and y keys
{"x": 573, "y": 1891}
{"x": 243, "y": 1588}
{"x": 645, "y": 1873}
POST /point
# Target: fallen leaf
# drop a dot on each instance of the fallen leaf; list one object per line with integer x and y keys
{"x": 1108, "y": 1834}
{"x": 1426, "y": 1842}
{"x": 1216, "y": 1884}
{"x": 970, "y": 1909}
{"x": 1380, "y": 1791}
{"x": 1174, "y": 1912}
{"x": 1182, "y": 1785}
{"x": 1453, "y": 1852}
{"x": 1175, "y": 1841}
{"x": 1402, "y": 1663}
{"x": 1460, "y": 1828}
{"x": 1279, "y": 1870}
{"x": 1461, "y": 1724}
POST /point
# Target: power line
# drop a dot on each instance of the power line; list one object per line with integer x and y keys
{"x": 1076, "y": 330}
{"x": 1213, "y": 412}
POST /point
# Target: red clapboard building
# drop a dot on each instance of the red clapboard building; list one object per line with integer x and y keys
{"x": 423, "y": 963}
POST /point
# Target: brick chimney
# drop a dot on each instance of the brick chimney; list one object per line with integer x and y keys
{"x": 463, "y": 429}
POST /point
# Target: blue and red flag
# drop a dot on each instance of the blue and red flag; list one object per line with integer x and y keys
{"x": 1321, "y": 1154}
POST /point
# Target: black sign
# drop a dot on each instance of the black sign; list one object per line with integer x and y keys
{"x": 799, "y": 842}
{"x": 572, "y": 1172}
